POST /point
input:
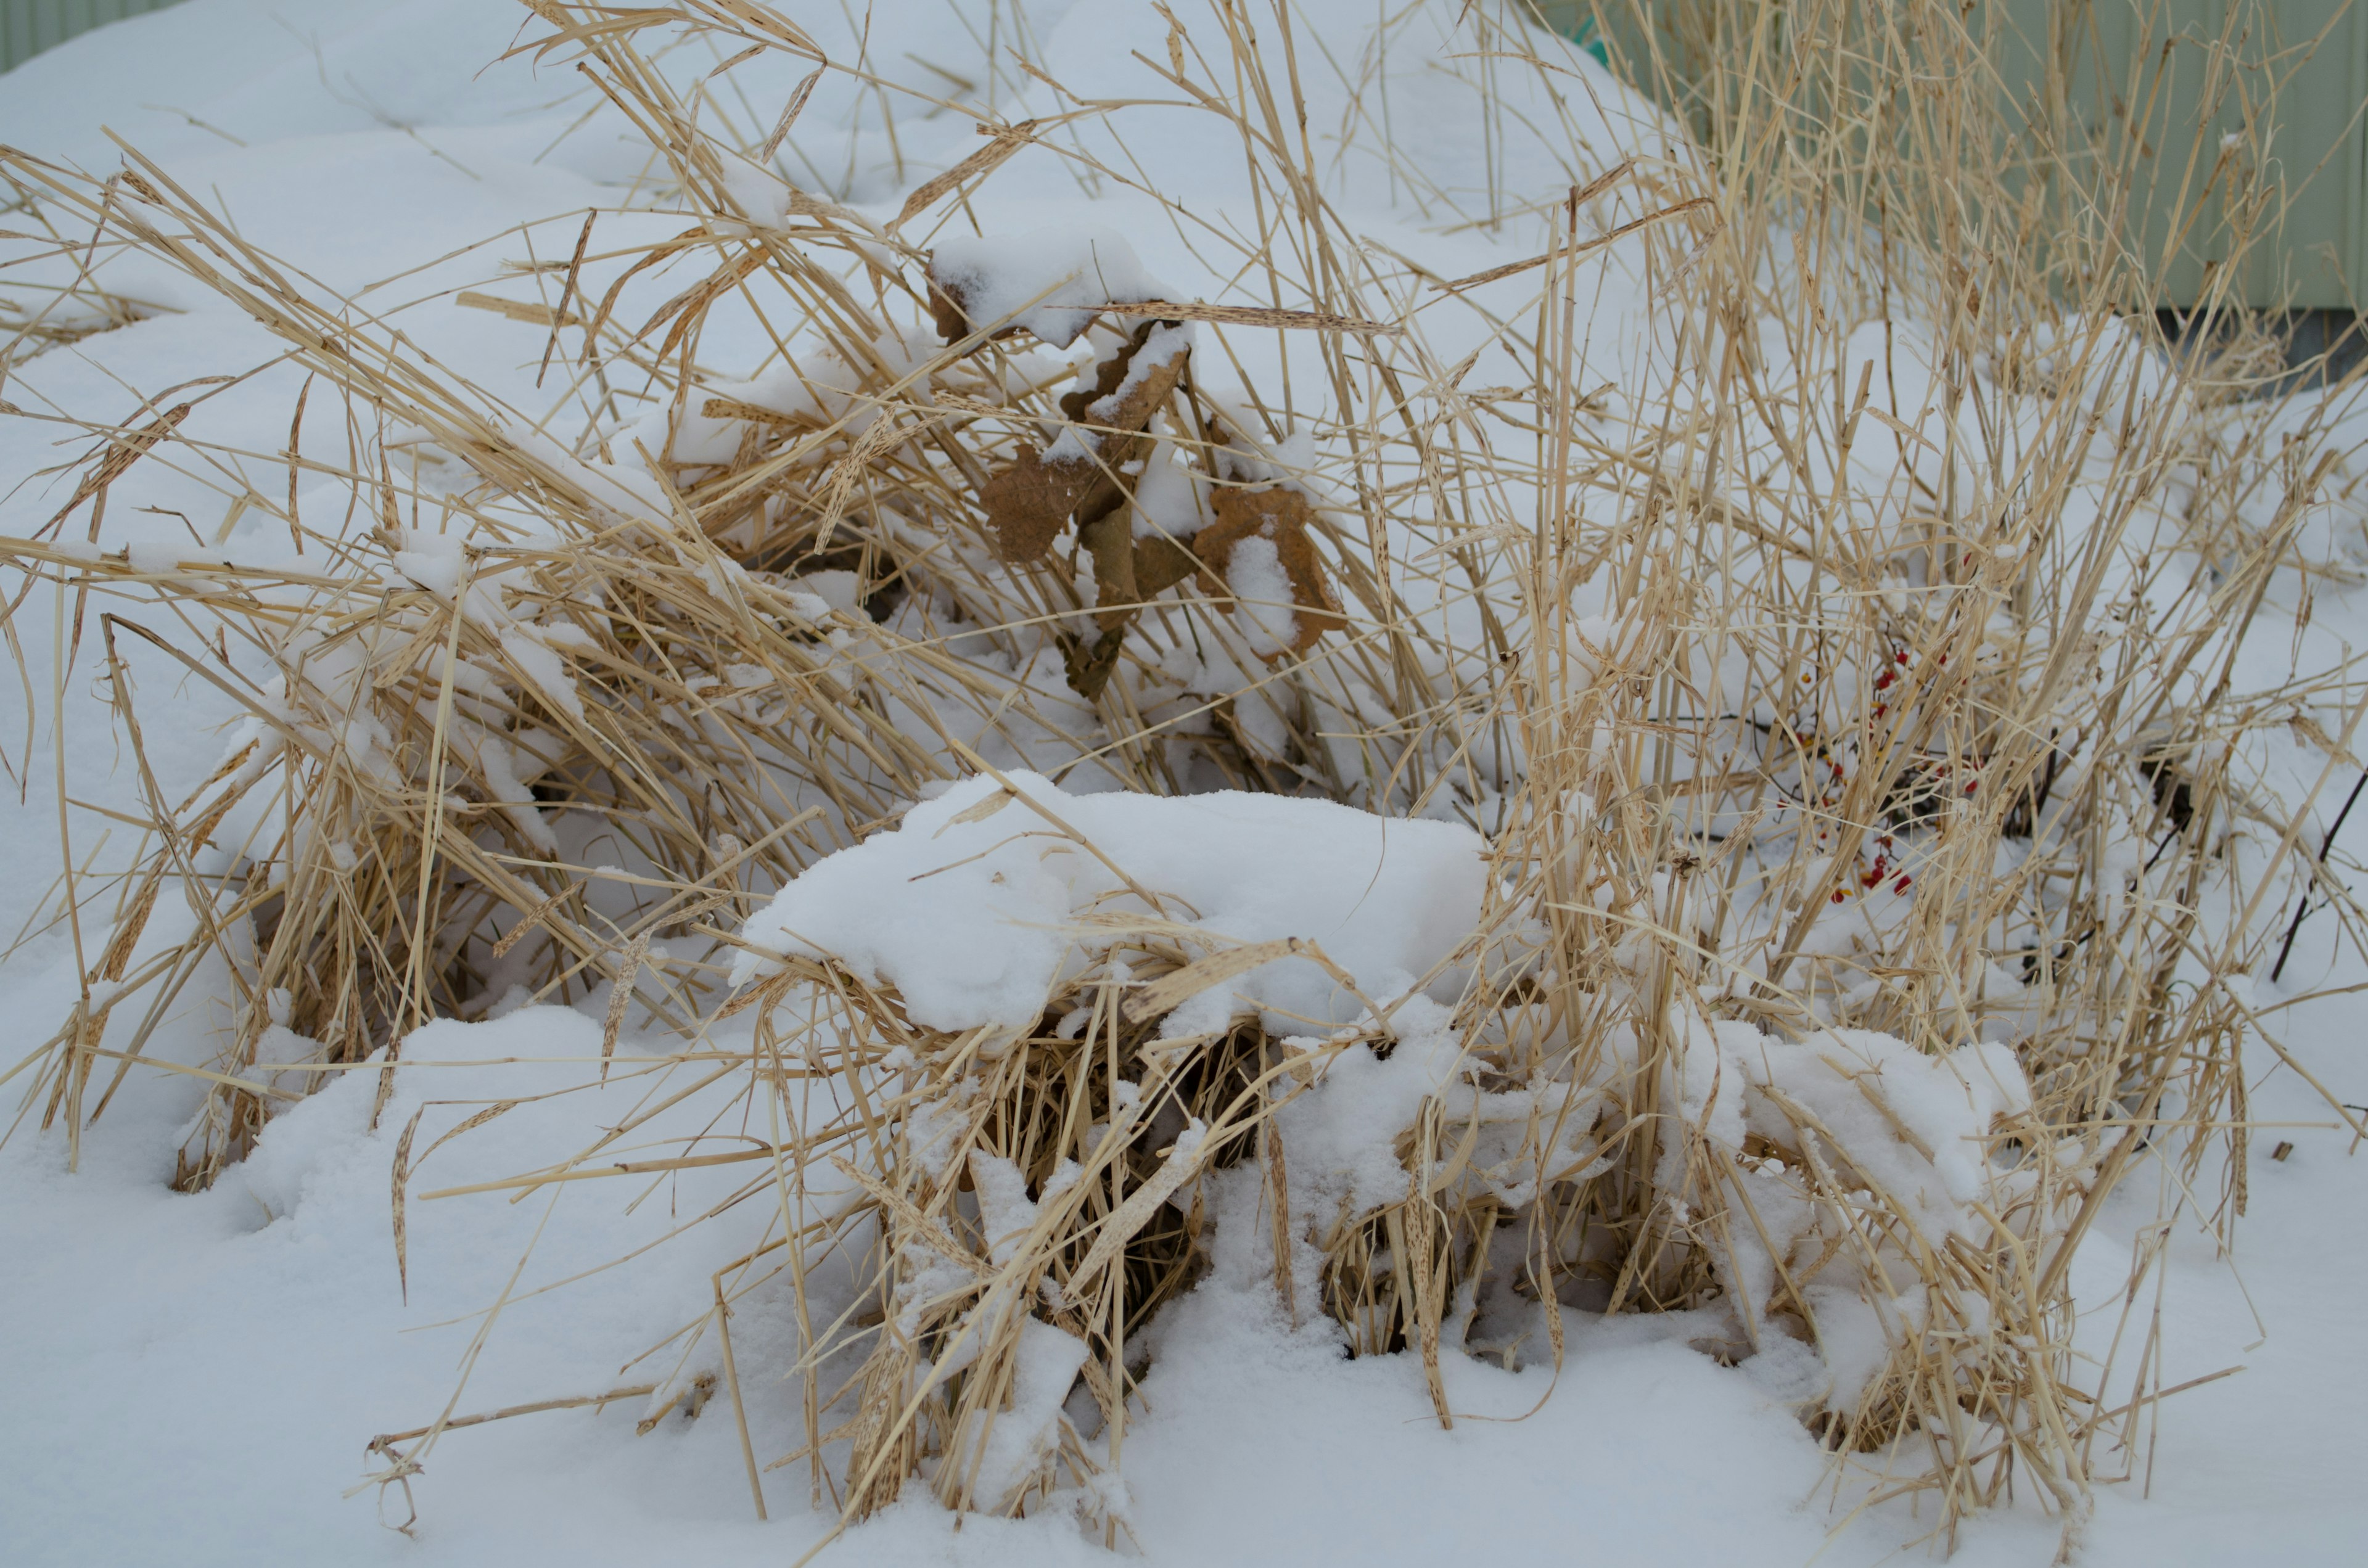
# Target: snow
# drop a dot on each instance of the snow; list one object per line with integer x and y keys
{"x": 195, "y": 1377}
{"x": 1262, "y": 595}
{"x": 541, "y": 665}
{"x": 1170, "y": 500}
{"x": 1050, "y": 281}
{"x": 969, "y": 907}
{"x": 1024, "y": 1431}
{"x": 207, "y": 1369}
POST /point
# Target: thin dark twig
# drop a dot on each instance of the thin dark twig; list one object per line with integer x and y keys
{"x": 2302, "y": 909}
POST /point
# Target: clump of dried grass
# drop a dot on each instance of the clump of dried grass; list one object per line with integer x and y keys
{"x": 1760, "y": 738}
{"x": 1017, "y": 1194}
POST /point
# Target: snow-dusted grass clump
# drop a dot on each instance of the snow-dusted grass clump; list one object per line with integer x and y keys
{"x": 1625, "y": 745}
{"x": 1077, "y": 1059}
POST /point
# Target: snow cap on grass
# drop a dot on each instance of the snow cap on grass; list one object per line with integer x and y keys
{"x": 1051, "y": 281}
{"x": 967, "y": 907}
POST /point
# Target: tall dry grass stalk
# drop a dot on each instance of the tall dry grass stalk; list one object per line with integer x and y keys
{"x": 1865, "y": 660}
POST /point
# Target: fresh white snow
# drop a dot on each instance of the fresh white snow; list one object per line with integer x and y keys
{"x": 193, "y": 1379}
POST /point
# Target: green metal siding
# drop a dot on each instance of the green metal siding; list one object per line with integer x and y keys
{"x": 2317, "y": 135}
{"x": 29, "y": 26}
{"x": 2305, "y": 99}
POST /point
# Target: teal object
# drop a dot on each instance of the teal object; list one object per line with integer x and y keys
{"x": 29, "y": 26}
{"x": 1590, "y": 42}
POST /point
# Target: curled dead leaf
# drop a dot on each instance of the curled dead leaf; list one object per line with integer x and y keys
{"x": 1283, "y": 518}
{"x": 1128, "y": 572}
{"x": 1160, "y": 564}
{"x": 949, "y": 314}
{"x": 1134, "y": 382}
{"x": 1031, "y": 500}
{"x": 1028, "y": 502}
{"x": 1110, "y": 542}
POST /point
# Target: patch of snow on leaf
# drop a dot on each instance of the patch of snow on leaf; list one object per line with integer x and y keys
{"x": 1051, "y": 281}
{"x": 1263, "y": 601}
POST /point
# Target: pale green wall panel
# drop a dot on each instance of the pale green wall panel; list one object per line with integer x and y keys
{"x": 2319, "y": 142}
{"x": 2300, "y": 74}
{"x": 29, "y": 26}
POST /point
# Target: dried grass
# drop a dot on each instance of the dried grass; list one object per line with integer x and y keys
{"x": 1865, "y": 754}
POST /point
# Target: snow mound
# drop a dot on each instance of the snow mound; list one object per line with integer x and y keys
{"x": 972, "y": 906}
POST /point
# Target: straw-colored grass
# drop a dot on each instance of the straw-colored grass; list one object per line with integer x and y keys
{"x": 1802, "y": 683}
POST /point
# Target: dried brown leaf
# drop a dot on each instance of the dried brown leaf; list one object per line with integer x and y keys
{"x": 1031, "y": 501}
{"x": 1284, "y": 517}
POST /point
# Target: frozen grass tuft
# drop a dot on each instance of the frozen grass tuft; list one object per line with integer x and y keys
{"x": 1812, "y": 597}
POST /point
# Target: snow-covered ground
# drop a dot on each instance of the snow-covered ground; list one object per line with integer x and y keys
{"x": 193, "y": 1379}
